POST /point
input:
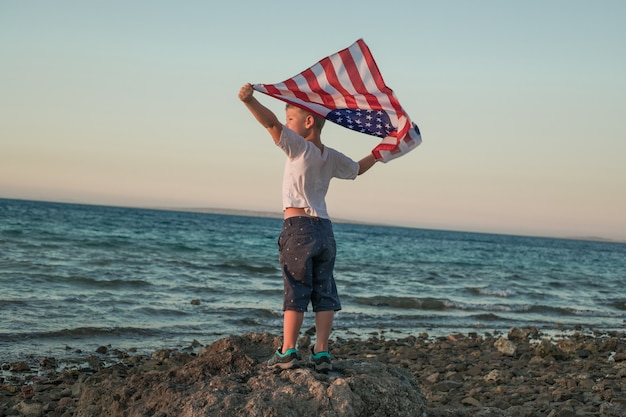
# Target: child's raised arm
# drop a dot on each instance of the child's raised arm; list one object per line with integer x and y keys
{"x": 260, "y": 112}
{"x": 366, "y": 163}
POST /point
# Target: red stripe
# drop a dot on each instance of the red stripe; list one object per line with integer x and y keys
{"x": 314, "y": 84}
{"x": 271, "y": 89}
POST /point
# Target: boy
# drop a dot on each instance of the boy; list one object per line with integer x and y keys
{"x": 306, "y": 244}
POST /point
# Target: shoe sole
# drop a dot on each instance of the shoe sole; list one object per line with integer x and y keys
{"x": 324, "y": 366}
{"x": 285, "y": 365}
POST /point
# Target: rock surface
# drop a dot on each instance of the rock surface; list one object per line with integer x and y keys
{"x": 230, "y": 378}
{"x": 521, "y": 374}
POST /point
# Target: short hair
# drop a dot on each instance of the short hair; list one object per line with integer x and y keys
{"x": 317, "y": 120}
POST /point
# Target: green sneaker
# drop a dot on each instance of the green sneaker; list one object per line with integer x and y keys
{"x": 321, "y": 361}
{"x": 285, "y": 360}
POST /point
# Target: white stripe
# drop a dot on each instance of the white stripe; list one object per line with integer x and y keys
{"x": 316, "y": 108}
{"x": 259, "y": 87}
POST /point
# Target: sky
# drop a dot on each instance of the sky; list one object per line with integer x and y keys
{"x": 520, "y": 104}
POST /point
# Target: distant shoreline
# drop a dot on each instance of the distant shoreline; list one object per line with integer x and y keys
{"x": 267, "y": 214}
{"x": 277, "y": 215}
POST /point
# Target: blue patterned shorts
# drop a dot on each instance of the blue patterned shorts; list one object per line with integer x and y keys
{"x": 306, "y": 252}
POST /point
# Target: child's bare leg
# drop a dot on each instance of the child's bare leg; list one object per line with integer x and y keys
{"x": 292, "y": 322}
{"x": 323, "y": 327}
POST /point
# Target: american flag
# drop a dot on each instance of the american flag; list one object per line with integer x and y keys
{"x": 348, "y": 89}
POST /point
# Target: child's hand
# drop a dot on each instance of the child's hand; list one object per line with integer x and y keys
{"x": 245, "y": 94}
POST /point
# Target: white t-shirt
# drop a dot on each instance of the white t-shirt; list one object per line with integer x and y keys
{"x": 308, "y": 172}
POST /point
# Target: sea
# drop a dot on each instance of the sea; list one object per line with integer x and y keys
{"x": 76, "y": 277}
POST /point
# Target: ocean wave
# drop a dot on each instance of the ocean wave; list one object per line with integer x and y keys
{"x": 106, "y": 283}
{"x": 119, "y": 242}
{"x": 11, "y": 233}
{"x": 403, "y": 302}
{"x": 246, "y": 267}
{"x": 82, "y": 332}
{"x": 619, "y": 305}
{"x": 151, "y": 311}
{"x": 255, "y": 317}
{"x": 546, "y": 309}
{"x": 436, "y": 304}
{"x": 530, "y": 309}
{"x": 487, "y": 317}
{"x": 184, "y": 247}
{"x": 491, "y": 292}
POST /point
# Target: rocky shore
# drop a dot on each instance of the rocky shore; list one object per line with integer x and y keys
{"x": 522, "y": 373}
